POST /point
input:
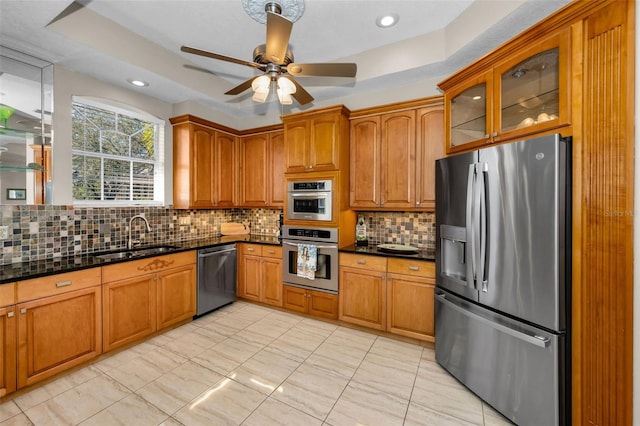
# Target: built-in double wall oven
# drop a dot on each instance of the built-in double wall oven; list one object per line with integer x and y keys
{"x": 325, "y": 240}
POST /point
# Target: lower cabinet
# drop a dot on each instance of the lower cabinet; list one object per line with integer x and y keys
{"x": 389, "y": 294}
{"x": 260, "y": 273}
{"x": 59, "y": 324}
{"x": 310, "y": 302}
{"x": 363, "y": 291}
{"x": 410, "y": 292}
{"x": 143, "y": 296}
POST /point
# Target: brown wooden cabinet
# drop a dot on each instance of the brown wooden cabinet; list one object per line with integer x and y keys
{"x": 523, "y": 94}
{"x": 311, "y": 302}
{"x": 410, "y": 287}
{"x": 59, "y": 323}
{"x": 363, "y": 290}
{"x": 204, "y": 165}
{"x": 391, "y": 294}
{"x": 260, "y": 273}
{"x": 261, "y": 170}
{"x": 393, "y": 153}
{"x": 146, "y": 295}
{"x": 316, "y": 141}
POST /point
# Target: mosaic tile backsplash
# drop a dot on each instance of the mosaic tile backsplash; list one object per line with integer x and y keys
{"x": 414, "y": 229}
{"x": 45, "y": 232}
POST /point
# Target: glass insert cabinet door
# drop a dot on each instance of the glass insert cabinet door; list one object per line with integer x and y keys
{"x": 532, "y": 88}
{"x": 470, "y": 112}
{"x": 530, "y": 92}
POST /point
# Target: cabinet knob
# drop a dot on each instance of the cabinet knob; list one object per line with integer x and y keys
{"x": 495, "y": 134}
{"x": 23, "y": 310}
{"x": 486, "y": 136}
{"x": 417, "y": 202}
{"x": 10, "y": 314}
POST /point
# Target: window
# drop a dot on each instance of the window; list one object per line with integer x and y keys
{"x": 117, "y": 155}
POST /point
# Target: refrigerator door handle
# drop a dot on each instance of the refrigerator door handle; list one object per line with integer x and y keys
{"x": 534, "y": 339}
{"x": 470, "y": 224}
{"x": 482, "y": 219}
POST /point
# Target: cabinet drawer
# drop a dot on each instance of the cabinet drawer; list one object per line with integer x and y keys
{"x": 251, "y": 249}
{"x": 37, "y": 288}
{"x": 419, "y": 268}
{"x": 371, "y": 263}
{"x": 149, "y": 265}
{"x": 272, "y": 251}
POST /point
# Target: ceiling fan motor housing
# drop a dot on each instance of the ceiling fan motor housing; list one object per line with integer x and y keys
{"x": 259, "y": 56}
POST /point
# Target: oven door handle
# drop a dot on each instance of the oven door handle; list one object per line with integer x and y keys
{"x": 309, "y": 194}
{"x": 320, "y": 247}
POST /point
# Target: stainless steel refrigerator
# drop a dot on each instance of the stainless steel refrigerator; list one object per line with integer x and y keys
{"x": 503, "y": 276}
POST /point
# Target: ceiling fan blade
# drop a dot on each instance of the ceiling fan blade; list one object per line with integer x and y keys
{"x": 278, "y": 33}
{"x": 220, "y": 57}
{"x": 241, "y": 87}
{"x": 302, "y": 96}
{"x": 323, "y": 70}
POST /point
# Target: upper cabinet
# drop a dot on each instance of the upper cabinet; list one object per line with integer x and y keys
{"x": 204, "y": 165}
{"x": 316, "y": 141}
{"x": 524, "y": 93}
{"x": 393, "y": 153}
{"x": 261, "y": 169}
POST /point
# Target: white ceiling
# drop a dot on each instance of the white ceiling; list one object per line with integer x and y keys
{"x": 116, "y": 40}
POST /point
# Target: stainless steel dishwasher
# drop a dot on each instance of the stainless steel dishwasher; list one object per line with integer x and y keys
{"x": 216, "y": 277}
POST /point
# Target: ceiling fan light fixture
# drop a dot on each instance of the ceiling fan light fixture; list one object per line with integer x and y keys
{"x": 285, "y": 88}
{"x": 261, "y": 86}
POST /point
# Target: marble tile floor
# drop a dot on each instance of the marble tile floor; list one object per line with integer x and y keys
{"x": 246, "y": 364}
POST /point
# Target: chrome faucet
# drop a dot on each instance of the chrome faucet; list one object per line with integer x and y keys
{"x": 130, "y": 243}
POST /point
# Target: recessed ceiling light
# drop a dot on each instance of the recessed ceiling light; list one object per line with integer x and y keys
{"x": 386, "y": 21}
{"x": 138, "y": 83}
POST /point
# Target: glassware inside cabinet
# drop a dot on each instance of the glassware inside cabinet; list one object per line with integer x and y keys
{"x": 469, "y": 115}
{"x": 530, "y": 91}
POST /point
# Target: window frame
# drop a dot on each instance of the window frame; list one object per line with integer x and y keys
{"x": 159, "y": 147}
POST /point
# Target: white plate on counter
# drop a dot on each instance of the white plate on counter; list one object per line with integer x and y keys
{"x": 397, "y": 248}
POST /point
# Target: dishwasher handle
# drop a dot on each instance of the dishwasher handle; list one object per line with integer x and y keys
{"x": 216, "y": 250}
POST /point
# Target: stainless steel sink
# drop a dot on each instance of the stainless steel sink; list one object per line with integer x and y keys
{"x": 139, "y": 252}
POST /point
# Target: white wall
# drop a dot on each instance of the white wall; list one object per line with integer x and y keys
{"x": 68, "y": 84}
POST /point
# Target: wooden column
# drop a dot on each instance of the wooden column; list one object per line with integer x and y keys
{"x": 602, "y": 352}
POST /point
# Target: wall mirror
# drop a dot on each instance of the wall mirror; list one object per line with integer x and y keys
{"x": 26, "y": 104}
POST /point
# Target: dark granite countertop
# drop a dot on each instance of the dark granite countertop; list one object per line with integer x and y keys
{"x": 373, "y": 250}
{"x": 40, "y": 268}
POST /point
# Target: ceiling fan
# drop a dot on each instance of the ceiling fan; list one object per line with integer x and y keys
{"x": 275, "y": 60}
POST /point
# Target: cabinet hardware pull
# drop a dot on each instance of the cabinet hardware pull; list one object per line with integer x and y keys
{"x": 361, "y": 261}
{"x": 64, "y": 283}
{"x": 10, "y": 314}
{"x": 271, "y": 251}
{"x": 486, "y": 136}
{"x": 414, "y": 268}
{"x": 23, "y": 310}
{"x": 251, "y": 249}
{"x": 495, "y": 134}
